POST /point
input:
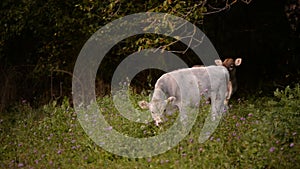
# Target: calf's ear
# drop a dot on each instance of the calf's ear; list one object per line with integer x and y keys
{"x": 238, "y": 61}
{"x": 143, "y": 104}
{"x": 171, "y": 100}
{"x": 218, "y": 62}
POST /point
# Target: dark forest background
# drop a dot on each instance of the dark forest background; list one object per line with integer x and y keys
{"x": 40, "y": 41}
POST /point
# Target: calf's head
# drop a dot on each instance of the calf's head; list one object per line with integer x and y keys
{"x": 230, "y": 64}
{"x": 158, "y": 108}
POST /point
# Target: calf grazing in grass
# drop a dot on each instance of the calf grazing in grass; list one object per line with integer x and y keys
{"x": 179, "y": 88}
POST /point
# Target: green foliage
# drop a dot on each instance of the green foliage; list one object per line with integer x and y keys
{"x": 288, "y": 94}
{"x": 57, "y": 29}
{"x": 255, "y": 133}
{"x": 284, "y": 111}
{"x": 45, "y": 38}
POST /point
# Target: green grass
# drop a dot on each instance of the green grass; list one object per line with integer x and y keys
{"x": 260, "y": 132}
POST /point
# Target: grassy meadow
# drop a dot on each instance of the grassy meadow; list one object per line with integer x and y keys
{"x": 256, "y": 132}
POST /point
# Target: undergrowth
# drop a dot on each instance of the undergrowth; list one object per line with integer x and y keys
{"x": 254, "y": 133}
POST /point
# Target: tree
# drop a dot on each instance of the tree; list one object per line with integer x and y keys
{"x": 40, "y": 40}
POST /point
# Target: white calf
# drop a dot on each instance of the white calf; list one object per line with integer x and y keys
{"x": 190, "y": 84}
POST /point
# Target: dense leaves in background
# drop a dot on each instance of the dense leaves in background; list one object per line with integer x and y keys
{"x": 40, "y": 40}
{"x": 50, "y": 34}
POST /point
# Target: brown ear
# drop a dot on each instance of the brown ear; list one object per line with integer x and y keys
{"x": 238, "y": 61}
{"x": 219, "y": 62}
{"x": 143, "y": 104}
